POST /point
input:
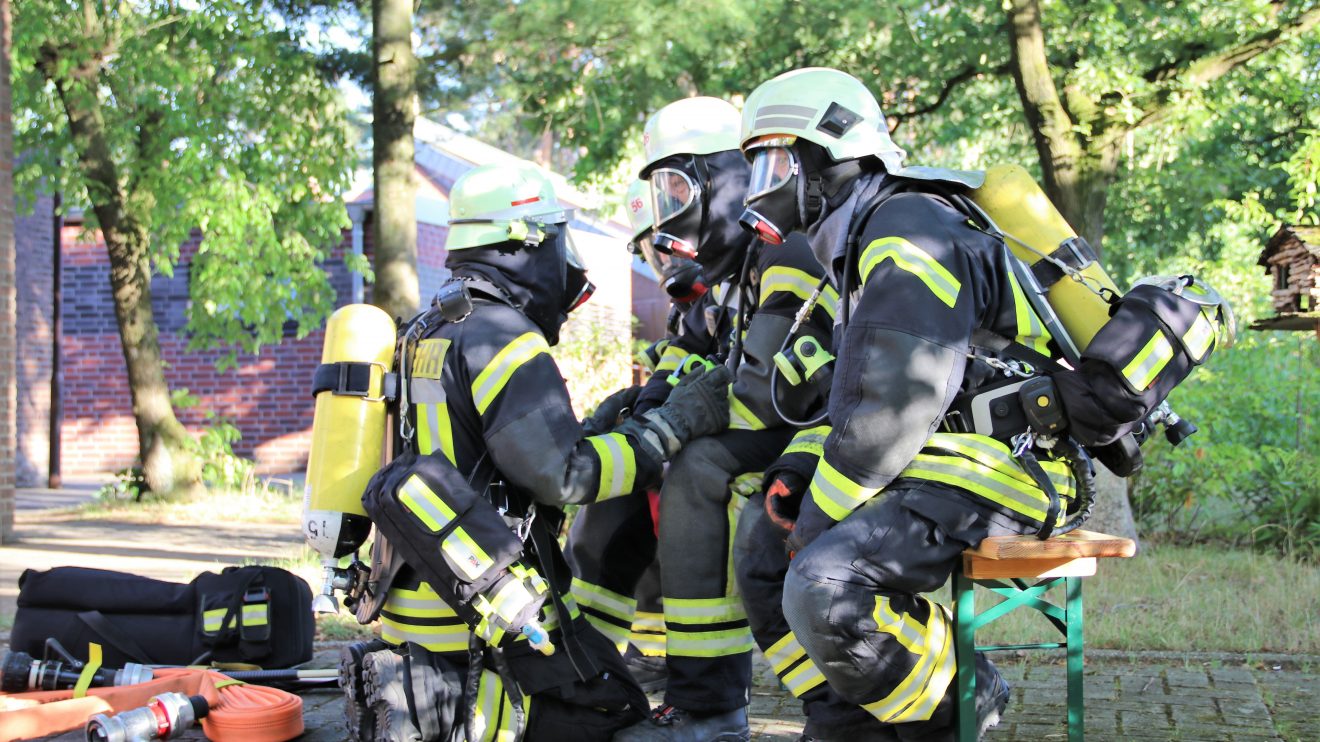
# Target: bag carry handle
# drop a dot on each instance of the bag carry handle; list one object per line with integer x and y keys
{"x": 114, "y": 636}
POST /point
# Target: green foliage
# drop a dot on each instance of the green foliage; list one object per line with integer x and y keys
{"x": 217, "y": 122}
{"x": 593, "y": 359}
{"x": 1252, "y": 474}
{"x": 221, "y": 467}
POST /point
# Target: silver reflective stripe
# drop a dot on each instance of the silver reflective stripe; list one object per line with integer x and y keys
{"x": 786, "y": 109}
{"x": 428, "y": 391}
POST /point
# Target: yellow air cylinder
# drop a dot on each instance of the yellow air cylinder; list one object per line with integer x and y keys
{"x": 348, "y": 433}
{"x": 1011, "y": 197}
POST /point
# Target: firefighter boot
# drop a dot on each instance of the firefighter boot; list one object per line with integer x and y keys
{"x": 383, "y": 682}
{"x": 359, "y": 720}
{"x": 992, "y": 693}
{"x": 670, "y": 724}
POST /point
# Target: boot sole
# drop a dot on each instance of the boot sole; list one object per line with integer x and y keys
{"x": 383, "y": 683}
{"x": 359, "y": 719}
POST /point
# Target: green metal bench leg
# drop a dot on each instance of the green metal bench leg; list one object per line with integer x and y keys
{"x": 1076, "y": 701}
{"x": 965, "y": 649}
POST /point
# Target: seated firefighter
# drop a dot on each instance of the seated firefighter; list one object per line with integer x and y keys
{"x": 481, "y": 639}
{"x": 941, "y": 319}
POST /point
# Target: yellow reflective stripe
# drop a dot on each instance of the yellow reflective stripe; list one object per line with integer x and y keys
{"x": 466, "y": 555}
{"x": 745, "y": 485}
{"x": 703, "y": 610}
{"x": 914, "y": 260}
{"x": 650, "y": 645}
{"x": 434, "y": 430}
{"x": 1031, "y": 332}
{"x": 741, "y": 416}
{"x": 647, "y": 621}
{"x": 1199, "y": 337}
{"x": 836, "y": 494}
{"x": 550, "y": 614}
{"x": 492, "y": 379}
{"x": 618, "y": 635}
{"x": 929, "y": 678}
{"x": 621, "y": 607}
{"x": 423, "y": 502}
{"x": 984, "y": 450}
{"x": 784, "y": 652}
{"x": 904, "y": 628}
{"x": 671, "y": 358}
{"x": 213, "y": 620}
{"x": 256, "y": 614}
{"x": 992, "y": 485}
{"x": 490, "y": 692}
{"x": 809, "y": 440}
{"x": 798, "y": 283}
{"x": 434, "y": 638}
{"x": 618, "y": 464}
{"x": 802, "y": 678}
{"x": 709, "y": 643}
{"x": 429, "y": 361}
{"x": 511, "y": 599}
{"x": 403, "y": 605}
{"x": 1147, "y": 364}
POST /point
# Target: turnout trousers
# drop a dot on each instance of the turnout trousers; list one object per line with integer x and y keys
{"x": 853, "y": 599}
{"x": 708, "y": 641}
{"x": 616, "y": 575}
{"x": 760, "y": 564}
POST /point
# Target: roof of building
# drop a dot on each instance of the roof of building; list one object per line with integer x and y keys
{"x": 1308, "y": 236}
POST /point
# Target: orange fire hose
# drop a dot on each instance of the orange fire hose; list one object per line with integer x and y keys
{"x": 239, "y": 712}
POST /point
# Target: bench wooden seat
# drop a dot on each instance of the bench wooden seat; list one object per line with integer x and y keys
{"x": 1003, "y": 564}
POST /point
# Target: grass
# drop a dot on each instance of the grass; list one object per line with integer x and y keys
{"x": 259, "y": 503}
{"x": 1184, "y": 598}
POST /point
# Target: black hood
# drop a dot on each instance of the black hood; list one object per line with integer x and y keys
{"x": 724, "y": 243}
{"x": 534, "y": 277}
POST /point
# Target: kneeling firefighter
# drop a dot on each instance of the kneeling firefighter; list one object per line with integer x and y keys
{"x": 952, "y": 417}
{"x": 467, "y": 577}
{"x": 610, "y": 543}
{"x": 697, "y": 179}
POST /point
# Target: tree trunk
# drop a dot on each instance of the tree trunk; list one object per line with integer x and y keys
{"x": 167, "y": 463}
{"x": 8, "y": 316}
{"x": 394, "y": 109}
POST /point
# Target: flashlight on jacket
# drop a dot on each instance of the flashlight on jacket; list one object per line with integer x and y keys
{"x": 20, "y": 673}
{"x": 165, "y": 716}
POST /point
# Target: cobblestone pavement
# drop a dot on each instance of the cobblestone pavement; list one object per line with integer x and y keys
{"x": 1125, "y": 700}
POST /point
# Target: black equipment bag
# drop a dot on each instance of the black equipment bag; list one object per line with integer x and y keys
{"x": 257, "y": 615}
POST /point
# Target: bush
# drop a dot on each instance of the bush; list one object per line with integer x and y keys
{"x": 1252, "y": 475}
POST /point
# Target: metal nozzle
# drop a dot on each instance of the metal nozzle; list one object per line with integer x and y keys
{"x": 326, "y": 601}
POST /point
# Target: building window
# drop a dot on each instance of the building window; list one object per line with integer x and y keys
{"x": 1280, "y": 277}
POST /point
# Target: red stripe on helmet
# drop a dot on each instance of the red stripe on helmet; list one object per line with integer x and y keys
{"x": 531, "y": 200}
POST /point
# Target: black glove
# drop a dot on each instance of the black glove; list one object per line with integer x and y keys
{"x": 783, "y": 500}
{"x": 698, "y": 406}
{"x": 607, "y": 413}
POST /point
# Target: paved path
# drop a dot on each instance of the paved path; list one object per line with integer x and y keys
{"x": 1154, "y": 696}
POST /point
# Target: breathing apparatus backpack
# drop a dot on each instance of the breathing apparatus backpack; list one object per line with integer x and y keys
{"x": 1148, "y": 339}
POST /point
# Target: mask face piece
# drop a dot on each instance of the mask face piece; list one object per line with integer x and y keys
{"x": 772, "y": 202}
{"x": 676, "y": 203}
{"x": 577, "y": 289}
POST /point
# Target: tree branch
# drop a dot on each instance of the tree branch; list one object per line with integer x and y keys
{"x": 970, "y": 72}
{"x": 1197, "y": 72}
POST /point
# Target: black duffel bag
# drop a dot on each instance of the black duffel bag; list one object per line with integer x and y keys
{"x": 257, "y": 615}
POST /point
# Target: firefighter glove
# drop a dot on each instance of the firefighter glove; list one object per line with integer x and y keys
{"x": 698, "y": 406}
{"x": 610, "y": 409}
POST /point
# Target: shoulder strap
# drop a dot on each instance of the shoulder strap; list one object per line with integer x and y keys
{"x": 115, "y": 636}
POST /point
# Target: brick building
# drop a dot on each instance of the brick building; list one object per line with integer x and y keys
{"x": 266, "y": 396}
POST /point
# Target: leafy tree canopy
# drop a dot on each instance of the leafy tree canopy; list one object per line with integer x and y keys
{"x": 215, "y": 120}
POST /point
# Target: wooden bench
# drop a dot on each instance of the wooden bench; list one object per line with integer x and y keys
{"x": 1004, "y": 565}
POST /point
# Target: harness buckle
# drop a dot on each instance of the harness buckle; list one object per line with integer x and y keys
{"x": 1021, "y": 442}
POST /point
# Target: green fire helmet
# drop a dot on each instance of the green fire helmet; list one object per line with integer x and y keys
{"x": 638, "y": 205}
{"x": 689, "y": 126}
{"x": 821, "y": 105}
{"x": 497, "y": 203}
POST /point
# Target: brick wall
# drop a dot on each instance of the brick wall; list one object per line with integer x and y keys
{"x": 8, "y": 315}
{"x": 34, "y": 239}
{"x": 266, "y": 396}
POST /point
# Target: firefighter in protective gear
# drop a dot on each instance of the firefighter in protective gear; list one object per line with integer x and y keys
{"x": 610, "y": 543}
{"x": 483, "y": 393}
{"x": 697, "y": 179}
{"x": 899, "y": 489}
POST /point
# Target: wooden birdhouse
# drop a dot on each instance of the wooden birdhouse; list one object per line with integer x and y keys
{"x": 1292, "y": 260}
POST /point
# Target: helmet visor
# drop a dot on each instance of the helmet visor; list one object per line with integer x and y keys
{"x": 672, "y": 193}
{"x": 772, "y": 168}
